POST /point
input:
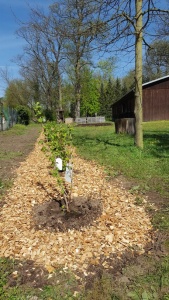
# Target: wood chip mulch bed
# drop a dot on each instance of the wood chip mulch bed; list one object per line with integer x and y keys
{"x": 104, "y": 222}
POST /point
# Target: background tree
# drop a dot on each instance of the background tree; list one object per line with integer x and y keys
{"x": 162, "y": 30}
{"x": 124, "y": 89}
{"x": 156, "y": 62}
{"x": 90, "y": 94}
{"x": 127, "y": 21}
{"x": 109, "y": 98}
{"x": 79, "y": 24}
{"x": 105, "y": 69}
{"x": 67, "y": 33}
{"x": 41, "y": 58}
{"x": 128, "y": 80}
{"x": 17, "y": 93}
{"x": 117, "y": 89}
{"x": 23, "y": 114}
{"x": 102, "y": 100}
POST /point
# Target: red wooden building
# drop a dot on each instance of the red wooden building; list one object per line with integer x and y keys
{"x": 155, "y": 102}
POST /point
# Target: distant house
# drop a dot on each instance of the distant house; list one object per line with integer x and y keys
{"x": 155, "y": 105}
{"x": 155, "y": 102}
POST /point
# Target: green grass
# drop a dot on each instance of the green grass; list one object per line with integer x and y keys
{"x": 149, "y": 167}
{"x": 18, "y": 129}
{"x": 148, "y": 170}
{"x": 6, "y": 155}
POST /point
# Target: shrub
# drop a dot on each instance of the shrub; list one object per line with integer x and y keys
{"x": 49, "y": 115}
{"x": 23, "y": 115}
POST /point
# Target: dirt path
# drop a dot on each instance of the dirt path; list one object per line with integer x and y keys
{"x": 14, "y": 149}
{"x": 105, "y": 222}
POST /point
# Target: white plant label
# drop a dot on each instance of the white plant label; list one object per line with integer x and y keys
{"x": 58, "y": 163}
{"x": 68, "y": 173}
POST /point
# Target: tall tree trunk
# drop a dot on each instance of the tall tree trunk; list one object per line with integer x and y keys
{"x": 77, "y": 109}
{"x": 1, "y": 114}
{"x": 60, "y": 91}
{"x": 138, "y": 76}
{"x": 77, "y": 89}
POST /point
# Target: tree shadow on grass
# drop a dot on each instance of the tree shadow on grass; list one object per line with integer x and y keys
{"x": 159, "y": 144}
{"x": 156, "y": 144}
{"x": 99, "y": 141}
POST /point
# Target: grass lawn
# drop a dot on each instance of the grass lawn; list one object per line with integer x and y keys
{"x": 149, "y": 167}
{"x": 147, "y": 277}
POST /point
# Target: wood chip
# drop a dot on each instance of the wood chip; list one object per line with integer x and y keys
{"x": 121, "y": 225}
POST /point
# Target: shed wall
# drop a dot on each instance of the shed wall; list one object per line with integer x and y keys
{"x": 123, "y": 109}
{"x": 155, "y": 104}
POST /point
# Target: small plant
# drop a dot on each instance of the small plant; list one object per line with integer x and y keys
{"x": 38, "y": 112}
{"x": 57, "y": 145}
{"x": 57, "y": 142}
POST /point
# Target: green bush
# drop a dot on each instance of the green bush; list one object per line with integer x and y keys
{"x": 58, "y": 139}
{"x": 23, "y": 115}
{"x": 49, "y": 115}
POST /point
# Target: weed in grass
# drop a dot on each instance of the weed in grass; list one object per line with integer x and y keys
{"x": 139, "y": 201}
{"x": 154, "y": 283}
{"x": 134, "y": 189}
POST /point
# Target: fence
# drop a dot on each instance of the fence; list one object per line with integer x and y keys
{"x": 8, "y": 117}
{"x": 90, "y": 120}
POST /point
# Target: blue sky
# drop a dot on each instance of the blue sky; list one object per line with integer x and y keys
{"x": 10, "y": 44}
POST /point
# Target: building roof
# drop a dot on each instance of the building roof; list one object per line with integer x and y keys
{"x": 158, "y": 80}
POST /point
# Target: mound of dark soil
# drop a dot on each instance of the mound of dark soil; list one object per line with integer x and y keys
{"x": 53, "y": 216}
